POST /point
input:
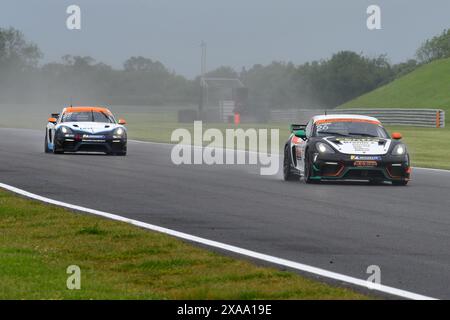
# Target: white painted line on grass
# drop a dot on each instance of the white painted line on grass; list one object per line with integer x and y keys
{"x": 226, "y": 247}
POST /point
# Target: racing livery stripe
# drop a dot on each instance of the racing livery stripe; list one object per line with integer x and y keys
{"x": 87, "y": 109}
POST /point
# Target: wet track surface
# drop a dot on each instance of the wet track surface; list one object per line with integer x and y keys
{"x": 339, "y": 227}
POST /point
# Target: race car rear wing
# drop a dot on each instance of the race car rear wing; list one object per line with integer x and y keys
{"x": 296, "y": 127}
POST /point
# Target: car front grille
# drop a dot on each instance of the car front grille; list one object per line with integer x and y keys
{"x": 364, "y": 174}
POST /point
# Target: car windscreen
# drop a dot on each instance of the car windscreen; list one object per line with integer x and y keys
{"x": 355, "y": 128}
{"x": 87, "y": 116}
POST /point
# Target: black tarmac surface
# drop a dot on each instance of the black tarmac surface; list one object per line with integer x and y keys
{"x": 341, "y": 227}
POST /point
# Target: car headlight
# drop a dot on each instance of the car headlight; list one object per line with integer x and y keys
{"x": 399, "y": 150}
{"x": 119, "y": 132}
{"x": 66, "y": 130}
{"x": 324, "y": 148}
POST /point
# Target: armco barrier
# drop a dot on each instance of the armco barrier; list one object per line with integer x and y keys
{"x": 412, "y": 117}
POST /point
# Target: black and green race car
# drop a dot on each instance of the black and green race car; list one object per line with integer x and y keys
{"x": 345, "y": 147}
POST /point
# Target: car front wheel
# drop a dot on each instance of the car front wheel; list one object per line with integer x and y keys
{"x": 56, "y": 150}
{"x": 400, "y": 183}
{"x": 308, "y": 169}
{"x": 46, "y": 148}
{"x": 287, "y": 172}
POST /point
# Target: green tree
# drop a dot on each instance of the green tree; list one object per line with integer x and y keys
{"x": 222, "y": 72}
{"x": 435, "y": 48}
{"x": 343, "y": 77}
{"x": 141, "y": 64}
{"x": 404, "y": 68}
{"x": 15, "y": 52}
{"x": 271, "y": 86}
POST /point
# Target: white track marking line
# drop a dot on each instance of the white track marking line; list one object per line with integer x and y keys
{"x": 226, "y": 247}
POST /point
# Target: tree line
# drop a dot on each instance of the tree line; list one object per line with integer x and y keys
{"x": 143, "y": 81}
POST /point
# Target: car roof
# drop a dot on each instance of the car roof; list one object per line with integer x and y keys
{"x": 343, "y": 117}
{"x": 87, "y": 109}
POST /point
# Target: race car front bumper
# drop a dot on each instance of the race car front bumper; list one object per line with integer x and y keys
{"x": 90, "y": 143}
{"x": 352, "y": 167}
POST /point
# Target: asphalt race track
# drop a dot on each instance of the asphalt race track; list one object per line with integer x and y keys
{"x": 338, "y": 227}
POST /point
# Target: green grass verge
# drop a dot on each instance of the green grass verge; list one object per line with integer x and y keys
{"x": 141, "y": 129}
{"x": 118, "y": 261}
{"x": 429, "y": 147}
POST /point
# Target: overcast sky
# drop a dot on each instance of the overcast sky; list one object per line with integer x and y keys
{"x": 238, "y": 32}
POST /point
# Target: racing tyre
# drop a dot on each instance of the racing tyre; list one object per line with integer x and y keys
{"x": 308, "y": 169}
{"x": 55, "y": 151}
{"x": 118, "y": 153}
{"x": 287, "y": 173}
{"x": 46, "y": 149}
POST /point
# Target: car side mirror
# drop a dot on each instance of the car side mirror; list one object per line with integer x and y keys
{"x": 300, "y": 134}
{"x": 122, "y": 121}
{"x": 396, "y": 135}
{"x": 52, "y": 120}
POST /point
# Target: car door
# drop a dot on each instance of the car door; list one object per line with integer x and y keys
{"x": 302, "y": 146}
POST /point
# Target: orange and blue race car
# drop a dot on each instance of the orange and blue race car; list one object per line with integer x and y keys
{"x": 86, "y": 129}
{"x": 345, "y": 147}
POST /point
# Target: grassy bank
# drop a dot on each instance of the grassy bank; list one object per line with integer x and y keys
{"x": 426, "y": 87}
{"x": 118, "y": 261}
